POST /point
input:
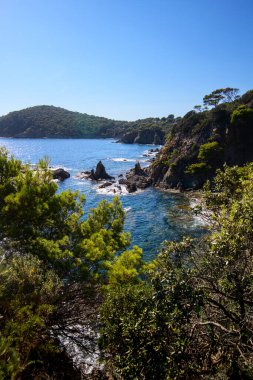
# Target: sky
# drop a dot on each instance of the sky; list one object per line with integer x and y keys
{"x": 123, "y": 59}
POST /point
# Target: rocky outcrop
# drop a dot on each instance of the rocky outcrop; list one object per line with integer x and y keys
{"x": 60, "y": 174}
{"x": 201, "y": 142}
{"x": 96, "y": 175}
{"x": 144, "y": 136}
{"x": 100, "y": 172}
{"x": 137, "y": 178}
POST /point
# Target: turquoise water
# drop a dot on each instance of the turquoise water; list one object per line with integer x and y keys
{"x": 152, "y": 216}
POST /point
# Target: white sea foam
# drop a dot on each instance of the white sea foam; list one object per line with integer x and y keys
{"x": 115, "y": 189}
{"x": 122, "y": 159}
{"x": 198, "y": 219}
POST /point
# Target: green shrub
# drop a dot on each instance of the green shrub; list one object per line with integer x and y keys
{"x": 200, "y": 168}
{"x": 209, "y": 152}
{"x": 242, "y": 116}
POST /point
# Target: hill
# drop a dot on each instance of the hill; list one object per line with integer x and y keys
{"x": 55, "y": 122}
{"x": 204, "y": 140}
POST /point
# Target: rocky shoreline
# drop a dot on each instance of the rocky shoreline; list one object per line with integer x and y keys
{"x": 135, "y": 179}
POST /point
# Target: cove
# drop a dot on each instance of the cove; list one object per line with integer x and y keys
{"x": 152, "y": 216}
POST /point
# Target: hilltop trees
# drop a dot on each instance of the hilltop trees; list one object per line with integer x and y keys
{"x": 227, "y": 94}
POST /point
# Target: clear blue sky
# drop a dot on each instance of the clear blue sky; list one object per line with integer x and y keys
{"x": 123, "y": 59}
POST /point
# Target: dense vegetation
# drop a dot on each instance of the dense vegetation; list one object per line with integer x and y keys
{"x": 188, "y": 315}
{"x": 55, "y": 122}
{"x": 220, "y": 131}
{"x": 52, "y": 263}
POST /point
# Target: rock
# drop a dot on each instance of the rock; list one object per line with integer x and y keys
{"x": 106, "y": 184}
{"x": 144, "y": 136}
{"x": 138, "y": 170}
{"x": 129, "y": 137}
{"x": 157, "y": 140}
{"x": 121, "y": 175}
{"x": 100, "y": 173}
{"x": 122, "y": 181}
{"x": 60, "y": 174}
{"x": 131, "y": 187}
{"x": 92, "y": 175}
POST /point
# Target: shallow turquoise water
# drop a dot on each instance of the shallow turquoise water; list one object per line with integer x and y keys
{"x": 152, "y": 216}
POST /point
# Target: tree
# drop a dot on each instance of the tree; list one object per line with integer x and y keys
{"x": 53, "y": 263}
{"x": 191, "y": 316}
{"x": 227, "y": 94}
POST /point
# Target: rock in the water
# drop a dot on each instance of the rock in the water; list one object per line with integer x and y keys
{"x": 138, "y": 170}
{"x": 100, "y": 173}
{"x": 106, "y": 184}
{"x": 60, "y": 174}
{"x": 122, "y": 181}
{"x": 131, "y": 187}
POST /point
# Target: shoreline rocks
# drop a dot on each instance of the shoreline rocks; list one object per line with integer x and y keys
{"x": 137, "y": 178}
{"x": 60, "y": 174}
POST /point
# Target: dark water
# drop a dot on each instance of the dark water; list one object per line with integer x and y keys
{"x": 152, "y": 216}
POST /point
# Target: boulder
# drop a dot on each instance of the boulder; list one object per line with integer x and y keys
{"x": 60, "y": 174}
{"x": 122, "y": 181}
{"x": 100, "y": 173}
{"x": 106, "y": 184}
{"x": 131, "y": 187}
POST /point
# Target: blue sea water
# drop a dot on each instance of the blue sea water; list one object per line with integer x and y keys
{"x": 152, "y": 216}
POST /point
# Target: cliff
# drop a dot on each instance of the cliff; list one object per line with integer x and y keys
{"x": 202, "y": 142}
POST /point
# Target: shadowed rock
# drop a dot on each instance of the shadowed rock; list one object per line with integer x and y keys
{"x": 100, "y": 173}
{"x": 60, "y": 174}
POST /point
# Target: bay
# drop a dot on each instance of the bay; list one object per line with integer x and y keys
{"x": 152, "y": 216}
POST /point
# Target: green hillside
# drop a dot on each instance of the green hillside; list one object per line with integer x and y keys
{"x": 203, "y": 140}
{"x": 56, "y": 122}
{"x": 50, "y": 121}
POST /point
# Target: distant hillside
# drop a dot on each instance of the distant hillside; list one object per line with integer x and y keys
{"x": 204, "y": 140}
{"x": 56, "y": 122}
{"x": 50, "y": 121}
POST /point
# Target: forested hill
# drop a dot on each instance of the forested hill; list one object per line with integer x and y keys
{"x": 50, "y": 121}
{"x": 220, "y": 131}
{"x": 55, "y": 122}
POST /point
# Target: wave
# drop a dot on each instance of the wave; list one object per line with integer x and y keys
{"x": 115, "y": 189}
{"x": 122, "y": 159}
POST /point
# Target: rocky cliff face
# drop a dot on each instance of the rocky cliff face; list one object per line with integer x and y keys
{"x": 202, "y": 142}
{"x": 144, "y": 136}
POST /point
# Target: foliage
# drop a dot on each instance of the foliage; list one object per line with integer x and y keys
{"x": 48, "y": 224}
{"x": 199, "y": 169}
{"x": 210, "y": 152}
{"x": 56, "y": 122}
{"x": 52, "y": 261}
{"x": 27, "y": 294}
{"x": 242, "y": 116}
{"x": 191, "y": 316}
{"x": 222, "y": 94}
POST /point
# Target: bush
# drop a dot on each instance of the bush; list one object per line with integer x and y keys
{"x": 209, "y": 152}
{"x": 242, "y": 116}
{"x": 199, "y": 169}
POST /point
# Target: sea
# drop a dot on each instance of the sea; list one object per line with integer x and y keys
{"x": 152, "y": 216}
